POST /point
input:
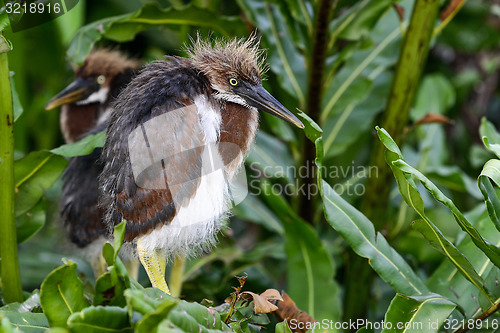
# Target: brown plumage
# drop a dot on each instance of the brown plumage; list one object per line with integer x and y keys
{"x": 104, "y": 73}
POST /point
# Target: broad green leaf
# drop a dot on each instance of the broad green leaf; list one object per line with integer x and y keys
{"x": 436, "y": 239}
{"x": 489, "y": 249}
{"x": 124, "y": 27}
{"x": 34, "y": 175}
{"x": 361, "y": 19}
{"x": 310, "y": 268}
{"x": 193, "y": 317}
{"x": 98, "y": 319}
{"x": 151, "y": 320}
{"x": 410, "y": 314}
{"x": 490, "y": 136}
{"x": 252, "y": 209}
{"x": 491, "y": 172}
{"x": 271, "y": 158}
{"x": 359, "y": 232}
{"x": 407, "y": 186}
{"x": 145, "y": 301}
{"x": 446, "y": 279}
{"x": 5, "y": 326}
{"x": 29, "y": 223}
{"x": 82, "y": 147}
{"x": 26, "y": 322}
{"x": 61, "y": 295}
{"x": 435, "y": 95}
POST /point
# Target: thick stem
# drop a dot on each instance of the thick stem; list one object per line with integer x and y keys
{"x": 314, "y": 94}
{"x": 404, "y": 85}
{"x": 11, "y": 279}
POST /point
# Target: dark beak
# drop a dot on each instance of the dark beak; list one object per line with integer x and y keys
{"x": 76, "y": 91}
{"x": 261, "y": 99}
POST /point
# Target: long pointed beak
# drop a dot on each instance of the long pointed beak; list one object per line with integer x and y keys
{"x": 261, "y": 99}
{"x": 77, "y": 90}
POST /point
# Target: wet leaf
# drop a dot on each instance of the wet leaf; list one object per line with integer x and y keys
{"x": 61, "y": 295}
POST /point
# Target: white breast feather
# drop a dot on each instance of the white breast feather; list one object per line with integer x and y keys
{"x": 194, "y": 228}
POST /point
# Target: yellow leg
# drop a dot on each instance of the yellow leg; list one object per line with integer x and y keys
{"x": 154, "y": 263}
{"x": 176, "y": 276}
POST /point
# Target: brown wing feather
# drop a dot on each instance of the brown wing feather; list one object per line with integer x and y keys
{"x": 148, "y": 174}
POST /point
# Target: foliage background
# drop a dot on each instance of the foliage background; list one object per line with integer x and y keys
{"x": 284, "y": 241}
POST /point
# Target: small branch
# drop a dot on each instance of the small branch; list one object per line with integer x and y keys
{"x": 11, "y": 279}
{"x": 491, "y": 310}
{"x": 314, "y": 92}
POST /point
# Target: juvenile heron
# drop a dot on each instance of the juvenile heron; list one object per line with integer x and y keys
{"x": 177, "y": 134}
{"x": 85, "y": 109}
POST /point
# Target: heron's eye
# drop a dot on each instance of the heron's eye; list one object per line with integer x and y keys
{"x": 233, "y": 82}
{"x": 101, "y": 79}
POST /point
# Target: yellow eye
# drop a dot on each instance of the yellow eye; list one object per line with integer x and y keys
{"x": 233, "y": 82}
{"x": 101, "y": 79}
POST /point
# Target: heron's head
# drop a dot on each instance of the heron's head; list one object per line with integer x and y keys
{"x": 100, "y": 77}
{"x": 234, "y": 69}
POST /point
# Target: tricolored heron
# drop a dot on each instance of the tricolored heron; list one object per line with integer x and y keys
{"x": 85, "y": 109}
{"x": 166, "y": 167}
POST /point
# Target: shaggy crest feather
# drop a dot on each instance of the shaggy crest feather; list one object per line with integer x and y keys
{"x": 238, "y": 58}
{"x": 105, "y": 61}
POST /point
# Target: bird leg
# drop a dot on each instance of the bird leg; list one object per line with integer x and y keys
{"x": 154, "y": 263}
{"x": 176, "y": 275}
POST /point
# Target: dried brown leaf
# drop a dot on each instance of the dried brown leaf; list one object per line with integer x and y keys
{"x": 400, "y": 10}
{"x": 430, "y": 118}
{"x": 261, "y": 302}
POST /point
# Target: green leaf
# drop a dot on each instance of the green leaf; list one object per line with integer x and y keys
{"x": 312, "y": 130}
{"x": 109, "y": 289}
{"x": 417, "y": 314}
{"x": 271, "y": 157}
{"x": 151, "y": 320}
{"x": 18, "y": 108}
{"x": 26, "y": 322}
{"x": 29, "y": 223}
{"x": 436, "y": 239}
{"x": 82, "y": 147}
{"x": 193, "y": 317}
{"x": 145, "y": 301}
{"x": 282, "y": 328}
{"x": 359, "y": 232}
{"x": 435, "y": 95}
{"x": 407, "y": 187}
{"x": 252, "y": 209}
{"x": 34, "y": 174}
{"x": 61, "y": 295}
{"x": 447, "y": 280}
{"x": 5, "y": 45}
{"x": 310, "y": 270}
{"x": 119, "y": 236}
{"x": 98, "y": 319}
{"x": 489, "y": 249}
{"x": 124, "y": 27}
{"x": 362, "y": 18}
{"x": 491, "y": 172}
{"x": 490, "y": 136}
{"x": 108, "y": 253}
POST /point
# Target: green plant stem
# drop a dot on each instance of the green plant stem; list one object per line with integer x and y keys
{"x": 11, "y": 279}
{"x": 314, "y": 94}
{"x": 404, "y": 85}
